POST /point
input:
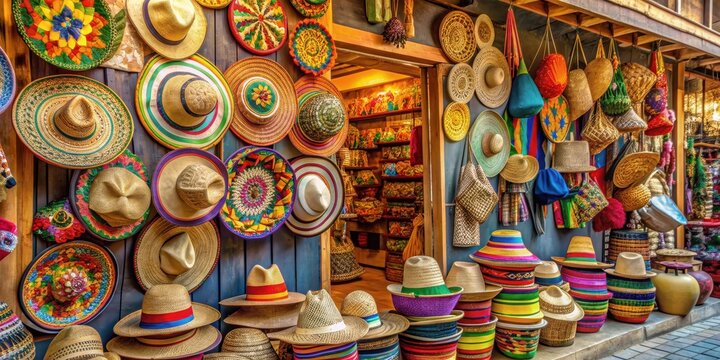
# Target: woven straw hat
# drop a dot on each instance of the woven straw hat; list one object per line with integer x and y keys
{"x": 175, "y": 29}
{"x": 266, "y": 99}
{"x": 17, "y": 342}
{"x": 361, "y": 304}
{"x": 490, "y": 142}
{"x": 271, "y": 317}
{"x": 505, "y": 248}
{"x": 170, "y": 254}
{"x": 225, "y": 356}
{"x": 76, "y": 342}
{"x": 454, "y": 316}
{"x": 320, "y": 195}
{"x": 634, "y": 197}
{"x": 548, "y": 273}
{"x": 189, "y": 344}
{"x": 8, "y": 86}
{"x": 578, "y": 94}
{"x": 456, "y": 120}
{"x": 559, "y": 305}
{"x": 572, "y": 157}
{"x": 166, "y": 309}
{"x": 422, "y": 278}
{"x": 189, "y": 186}
{"x": 629, "y": 121}
{"x": 634, "y": 168}
{"x": 630, "y": 265}
{"x": 638, "y": 80}
{"x": 251, "y": 343}
{"x": 461, "y": 83}
{"x": 265, "y": 287}
{"x": 520, "y": 169}
{"x": 484, "y": 31}
{"x": 492, "y": 77}
{"x": 320, "y": 323}
{"x": 468, "y": 276}
{"x": 599, "y": 74}
{"x": 81, "y": 116}
{"x": 580, "y": 254}
{"x": 318, "y": 112}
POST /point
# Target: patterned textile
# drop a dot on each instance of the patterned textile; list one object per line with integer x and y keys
{"x": 513, "y": 203}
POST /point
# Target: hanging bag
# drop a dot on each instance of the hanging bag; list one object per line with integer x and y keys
{"x": 525, "y": 99}
{"x": 577, "y": 91}
{"x": 599, "y": 132}
{"x": 599, "y": 73}
{"x": 616, "y": 100}
{"x": 551, "y": 76}
{"x": 377, "y": 11}
{"x": 589, "y": 200}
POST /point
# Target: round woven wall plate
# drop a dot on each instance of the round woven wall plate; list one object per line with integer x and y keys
{"x": 461, "y": 83}
{"x": 555, "y": 119}
{"x": 484, "y": 31}
{"x": 457, "y": 36}
{"x": 214, "y": 4}
{"x": 7, "y": 81}
{"x": 312, "y": 47}
{"x": 456, "y": 121}
{"x": 259, "y": 27}
{"x": 309, "y": 9}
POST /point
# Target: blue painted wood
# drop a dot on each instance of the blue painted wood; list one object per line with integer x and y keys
{"x": 307, "y": 258}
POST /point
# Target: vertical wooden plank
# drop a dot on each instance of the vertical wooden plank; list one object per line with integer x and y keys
{"x": 283, "y": 254}
{"x": 427, "y": 161}
{"x": 306, "y": 255}
{"x": 678, "y": 75}
{"x": 437, "y": 174}
{"x": 258, "y": 252}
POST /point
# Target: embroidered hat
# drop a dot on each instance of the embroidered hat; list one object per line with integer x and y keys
{"x": 259, "y": 27}
{"x": 505, "y": 248}
{"x": 311, "y": 8}
{"x": 630, "y": 265}
{"x": 320, "y": 195}
{"x": 580, "y": 254}
{"x": 8, "y": 237}
{"x": 16, "y": 342}
{"x": 77, "y": 342}
{"x": 7, "y": 81}
{"x": 469, "y": 276}
{"x": 56, "y": 222}
{"x": 490, "y": 142}
{"x": 492, "y": 77}
{"x": 265, "y": 287}
{"x": 175, "y": 29}
{"x": 322, "y": 124}
{"x": 361, "y": 304}
{"x": 520, "y": 169}
{"x": 251, "y": 343}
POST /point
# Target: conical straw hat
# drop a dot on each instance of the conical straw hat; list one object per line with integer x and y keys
{"x": 581, "y": 254}
{"x": 469, "y": 276}
{"x": 506, "y": 248}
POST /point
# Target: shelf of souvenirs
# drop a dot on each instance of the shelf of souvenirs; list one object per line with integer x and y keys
{"x": 398, "y": 218}
{"x": 393, "y": 143}
{"x": 367, "y": 186}
{"x": 368, "y": 167}
{"x": 704, "y": 223}
{"x": 402, "y": 198}
{"x": 385, "y": 161}
{"x": 384, "y": 114}
{"x": 402, "y": 177}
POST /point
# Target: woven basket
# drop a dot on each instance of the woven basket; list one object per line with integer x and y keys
{"x": 558, "y": 333}
{"x": 638, "y": 80}
{"x": 634, "y": 197}
{"x": 599, "y": 132}
{"x": 457, "y": 37}
{"x": 630, "y": 121}
{"x": 635, "y": 167}
{"x": 461, "y": 83}
{"x": 578, "y": 94}
{"x": 616, "y": 101}
{"x": 599, "y": 73}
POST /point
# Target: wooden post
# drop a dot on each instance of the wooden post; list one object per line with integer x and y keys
{"x": 326, "y": 237}
{"x": 437, "y": 161}
{"x": 678, "y": 137}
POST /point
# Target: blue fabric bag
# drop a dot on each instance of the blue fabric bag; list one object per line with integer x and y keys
{"x": 525, "y": 98}
{"x": 549, "y": 187}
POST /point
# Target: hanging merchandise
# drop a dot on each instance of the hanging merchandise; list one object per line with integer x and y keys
{"x": 554, "y": 119}
{"x": 655, "y": 102}
{"x": 589, "y": 200}
{"x": 394, "y": 32}
{"x": 616, "y": 100}
{"x": 551, "y": 75}
{"x": 549, "y": 187}
{"x": 461, "y": 83}
{"x": 599, "y": 73}
{"x": 629, "y": 121}
{"x": 514, "y": 207}
{"x": 456, "y": 36}
{"x": 661, "y": 214}
{"x": 175, "y": 29}
{"x": 661, "y": 124}
{"x": 599, "y": 132}
{"x": 633, "y": 197}
{"x": 492, "y": 77}
{"x": 322, "y": 124}
{"x": 634, "y": 167}
{"x": 484, "y": 31}
{"x": 490, "y": 142}
{"x": 260, "y": 27}
{"x": 525, "y": 99}
{"x": 416, "y": 243}
{"x": 638, "y": 80}
{"x": 312, "y": 48}
{"x": 376, "y": 11}
{"x": 577, "y": 91}
{"x": 409, "y": 19}
{"x": 416, "y": 145}
{"x": 612, "y": 217}
{"x": 318, "y": 8}
{"x": 8, "y": 237}
{"x": 572, "y": 157}
{"x": 8, "y": 84}
{"x": 456, "y": 121}
{"x": 474, "y": 202}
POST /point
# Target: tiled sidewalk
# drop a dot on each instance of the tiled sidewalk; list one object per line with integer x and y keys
{"x": 700, "y": 341}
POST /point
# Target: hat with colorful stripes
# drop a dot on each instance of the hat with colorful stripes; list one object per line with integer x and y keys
{"x": 506, "y": 248}
{"x": 581, "y": 254}
{"x": 265, "y": 287}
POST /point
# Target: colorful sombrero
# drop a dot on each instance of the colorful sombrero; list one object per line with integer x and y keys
{"x": 259, "y": 27}
{"x": 261, "y": 194}
{"x": 312, "y": 47}
{"x": 555, "y": 119}
{"x": 7, "y": 81}
{"x": 70, "y": 34}
{"x": 268, "y": 104}
{"x": 68, "y": 284}
{"x": 184, "y": 103}
{"x": 581, "y": 254}
{"x": 311, "y": 8}
{"x": 320, "y": 107}
{"x": 16, "y": 341}
{"x": 490, "y": 142}
{"x": 505, "y": 248}
{"x": 320, "y": 195}
{"x": 81, "y": 189}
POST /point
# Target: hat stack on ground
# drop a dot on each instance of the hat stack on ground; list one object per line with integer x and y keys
{"x": 548, "y": 274}
{"x": 77, "y": 342}
{"x": 250, "y": 343}
{"x": 506, "y": 262}
{"x": 477, "y": 323}
{"x": 381, "y": 342}
{"x": 629, "y": 241}
{"x": 633, "y": 292}
{"x": 428, "y": 303}
{"x": 16, "y": 342}
{"x": 562, "y": 315}
{"x": 588, "y": 283}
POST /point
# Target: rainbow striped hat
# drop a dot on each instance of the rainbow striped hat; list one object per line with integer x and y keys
{"x": 581, "y": 254}
{"x": 265, "y": 287}
{"x": 506, "y": 248}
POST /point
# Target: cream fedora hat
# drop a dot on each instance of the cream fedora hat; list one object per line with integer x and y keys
{"x": 630, "y": 265}
{"x": 175, "y": 29}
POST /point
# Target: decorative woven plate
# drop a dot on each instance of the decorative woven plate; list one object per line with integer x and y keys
{"x": 457, "y": 36}
{"x": 484, "y": 31}
{"x": 461, "y": 83}
{"x": 259, "y": 26}
{"x": 555, "y": 119}
{"x": 310, "y": 8}
{"x": 7, "y": 81}
{"x": 312, "y": 48}
{"x": 214, "y": 4}
{"x": 635, "y": 167}
{"x": 456, "y": 121}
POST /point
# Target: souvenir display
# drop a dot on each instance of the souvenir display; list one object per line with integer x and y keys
{"x": 638, "y": 80}
{"x": 518, "y": 341}
{"x": 320, "y": 195}
{"x": 184, "y": 103}
{"x": 260, "y": 28}
{"x": 555, "y": 118}
{"x": 77, "y": 342}
{"x": 57, "y": 223}
{"x": 548, "y": 274}
{"x": 7, "y": 81}
{"x": 562, "y": 314}
{"x": 676, "y": 291}
{"x": 635, "y": 241}
{"x": 316, "y": 8}
{"x": 456, "y": 36}
{"x": 492, "y": 77}
{"x": 250, "y": 343}
{"x": 175, "y": 29}
{"x": 423, "y": 291}
{"x": 381, "y": 341}
{"x": 461, "y": 83}
{"x": 520, "y": 169}
{"x": 490, "y": 142}
{"x": 484, "y": 31}
{"x": 572, "y": 157}
{"x": 633, "y": 292}
{"x": 8, "y": 237}
{"x": 321, "y": 126}
{"x": 312, "y": 48}
{"x": 16, "y": 342}
{"x": 599, "y": 73}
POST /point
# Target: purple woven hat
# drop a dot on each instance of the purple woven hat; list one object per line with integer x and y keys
{"x": 189, "y": 186}
{"x": 423, "y": 291}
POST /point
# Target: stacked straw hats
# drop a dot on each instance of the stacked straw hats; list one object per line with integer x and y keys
{"x": 16, "y": 342}
{"x": 562, "y": 315}
{"x": 548, "y": 274}
{"x": 633, "y": 293}
{"x": 588, "y": 283}
{"x": 249, "y": 343}
{"x": 267, "y": 303}
{"x": 78, "y": 342}
{"x": 635, "y": 241}
{"x": 381, "y": 341}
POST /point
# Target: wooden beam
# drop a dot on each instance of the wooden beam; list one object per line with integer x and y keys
{"x": 556, "y": 10}
{"x": 450, "y": 6}
{"x": 687, "y": 54}
{"x": 671, "y": 47}
{"x": 678, "y": 97}
{"x": 623, "y": 30}
{"x": 436, "y": 106}
{"x": 644, "y": 39}
{"x": 589, "y": 20}
{"x": 325, "y": 238}
{"x": 427, "y": 80}
{"x": 710, "y": 61}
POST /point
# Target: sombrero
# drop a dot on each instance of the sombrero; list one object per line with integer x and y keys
{"x": 175, "y": 29}
{"x": 490, "y": 142}
{"x": 505, "y": 248}
{"x": 456, "y": 120}
{"x": 259, "y": 27}
{"x": 520, "y": 169}
{"x": 361, "y": 304}
{"x": 469, "y": 276}
{"x": 580, "y": 254}
{"x": 268, "y": 105}
{"x": 312, "y": 48}
{"x": 492, "y": 77}
{"x": 261, "y": 195}
{"x": 635, "y": 167}
{"x": 7, "y": 81}
{"x": 112, "y": 201}
{"x": 265, "y": 287}
{"x": 321, "y": 110}
{"x": 320, "y": 195}
{"x": 170, "y": 254}
{"x": 555, "y": 119}
{"x": 189, "y": 186}
{"x": 72, "y": 121}
{"x": 484, "y": 31}
{"x": 311, "y": 8}
{"x": 184, "y": 103}
{"x": 70, "y": 34}
{"x": 52, "y": 301}
{"x": 56, "y": 222}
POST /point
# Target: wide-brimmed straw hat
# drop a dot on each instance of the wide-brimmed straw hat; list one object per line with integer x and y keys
{"x": 184, "y": 103}
{"x": 572, "y": 157}
{"x": 361, "y": 304}
{"x": 18, "y": 342}
{"x": 189, "y": 344}
{"x": 72, "y": 121}
{"x": 581, "y": 254}
{"x": 225, "y": 356}
{"x": 113, "y": 200}
{"x": 490, "y": 142}
{"x": 492, "y": 77}
{"x": 175, "y": 29}
{"x": 7, "y": 81}
{"x": 505, "y": 248}
{"x": 251, "y": 343}
{"x": 266, "y": 99}
{"x": 77, "y": 342}
{"x": 320, "y": 323}
{"x": 468, "y": 276}
{"x": 559, "y": 305}
{"x": 320, "y": 195}
{"x": 520, "y": 169}
{"x": 68, "y": 284}
{"x": 630, "y": 265}
{"x": 484, "y": 31}
{"x": 634, "y": 168}
{"x": 271, "y": 317}
{"x": 422, "y": 278}
{"x": 322, "y": 124}
{"x": 265, "y": 287}
{"x": 170, "y": 254}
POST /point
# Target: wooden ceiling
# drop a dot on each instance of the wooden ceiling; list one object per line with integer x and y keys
{"x": 348, "y": 63}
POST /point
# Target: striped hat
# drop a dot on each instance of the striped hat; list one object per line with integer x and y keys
{"x": 320, "y": 195}
{"x": 265, "y": 287}
{"x": 581, "y": 254}
{"x": 361, "y": 304}
{"x": 16, "y": 342}
{"x": 505, "y": 248}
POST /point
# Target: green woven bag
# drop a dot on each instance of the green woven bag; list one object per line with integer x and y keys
{"x": 616, "y": 100}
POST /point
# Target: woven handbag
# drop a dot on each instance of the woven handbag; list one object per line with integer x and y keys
{"x": 474, "y": 202}
{"x": 616, "y": 100}
{"x": 589, "y": 201}
{"x": 638, "y": 80}
{"x": 577, "y": 91}
{"x": 599, "y": 132}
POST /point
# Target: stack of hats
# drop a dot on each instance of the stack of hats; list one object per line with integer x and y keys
{"x": 16, "y": 342}
{"x": 562, "y": 315}
{"x": 250, "y": 343}
{"x": 588, "y": 283}
{"x": 343, "y": 263}
{"x": 432, "y": 337}
{"x": 77, "y": 342}
{"x": 548, "y": 274}
{"x": 381, "y": 342}
{"x": 629, "y": 241}
{"x": 394, "y": 264}
{"x": 506, "y": 262}
{"x": 633, "y": 292}
{"x": 478, "y": 324}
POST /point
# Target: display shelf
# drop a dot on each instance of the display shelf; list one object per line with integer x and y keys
{"x": 384, "y": 161}
{"x": 393, "y": 143}
{"x": 367, "y": 186}
{"x": 399, "y": 218}
{"x": 384, "y": 114}
{"x": 401, "y": 198}
{"x": 370, "y": 167}
{"x": 704, "y": 223}
{"x": 402, "y": 178}
{"x": 400, "y": 237}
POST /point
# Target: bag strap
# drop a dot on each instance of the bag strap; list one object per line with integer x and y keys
{"x": 600, "y": 52}
{"x": 545, "y": 41}
{"x": 577, "y": 50}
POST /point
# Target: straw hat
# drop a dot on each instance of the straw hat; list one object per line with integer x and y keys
{"x": 320, "y": 323}
{"x": 461, "y": 83}
{"x": 505, "y": 248}
{"x": 175, "y": 29}
{"x": 580, "y": 254}
{"x": 270, "y": 317}
{"x": 638, "y": 80}
{"x": 225, "y": 356}
{"x": 188, "y": 344}
{"x": 548, "y": 273}
{"x": 77, "y": 342}
{"x": 492, "y": 77}
{"x": 311, "y": 8}
{"x": 520, "y": 169}
{"x": 251, "y": 343}
{"x": 259, "y": 27}
{"x": 17, "y": 342}
{"x": 468, "y": 276}
{"x": 266, "y": 99}
{"x": 265, "y": 287}
{"x": 634, "y": 168}
{"x": 555, "y": 119}
{"x": 484, "y": 31}
{"x": 456, "y": 120}
{"x": 578, "y": 94}
{"x": 490, "y": 142}
{"x": 312, "y": 48}
{"x": 558, "y": 305}
{"x": 68, "y": 284}
{"x": 322, "y": 124}
{"x": 634, "y": 197}
{"x": 7, "y": 81}
{"x": 361, "y": 304}
{"x": 599, "y": 73}
{"x": 170, "y": 254}
{"x": 629, "y": 121}
{"x": 184, "y": 103}
{"x": 422, "y": 278}
{"x": 630, "y": 265}
{"x": 572, "y": 157}
{"x": 113, "y": 200}
{"x": 81, "y": 116}
{"x": 454, "y": 316}
{"x": 320, "y": 195}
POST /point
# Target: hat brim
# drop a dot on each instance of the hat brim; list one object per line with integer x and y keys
{"x": 512, "y": 174}
{"x": 129, "y": 326}
{"x": 306, "y": 146}
{"x": 509, "y": 264}
{"x": 577, "y": 169}
{"x": 457, "y": 335}
{"x": 614, "y": 290}
{"x": 455, "y": 315}
{"x": 580, "y": 264}
{"x": 490, "y": 292}
{"x": 577, "y": 314}
{"x": 635, "y": 168}
{"x": 484, "y": 22}
{"x": 8, "y": 85}
{"x": 355, "y": 329}
{"x": 392, "y": 324}
{"x": 186, "y": 48}
{"x": 396, "y": 289}
{"x": 647, "y": 275}
{"x": 241, "y": 300}
{"x": 330, "y": 174}
{"x": 498, "y": 95}
{"x": 205, "y": 339}
{"x": 266, "y": 317}
{"x": 517, "y": 319}
{"x": 512, "y": 326}
{"x": 277, "y": 22}
{"x": 225, "y": 356}
{"x": 489, "y": 122}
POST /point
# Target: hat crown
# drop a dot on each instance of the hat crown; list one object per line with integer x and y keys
{"x": 581, "y": 249}
{"x": 265, "y": 284}
{"x": 199, "y": 186}
{"x": 171, "y": 19}
{"x": 547, "y": 269}
{"x": 556, "y": 301}
{"x": 494, "y": 76}
{"x": 359, "y": 303}
{"x": 258, "y": 99}
{"x": 466, "y": 275}
{"x": 422, "y": 272}
{"x": 492, "y": 144}
{"x": 77, "y": 119}
{"x": 318, "y": 314}
{"x": 177, "y": 254}
{"x": 119, "y": 197}
{"x": 68, "y": 284}
{"x": 315, "y": 193}
{"x": 75, "y": 342}
{"x": 187, "y": 100}
{"x": 571, "y": 154}
{"x": 321, "y": 116}
{"x": 245, "y": 340}
{"x": 164, "y": 301}
{"x": 629, "y": 263}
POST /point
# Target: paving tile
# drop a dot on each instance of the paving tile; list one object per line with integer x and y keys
{"x": 645, "y": 357}
{"x": 668, "y": 336}
{"x": 639, "y": 348}
{"x": 696, "y": 349}
{"x": 713, "y": 352}
{"x": 626, "y": 354}
{"x": 675, "y": 357}
{"x": 706, "y": 345}
{"x": 686, "y": 340}
{"x": 611, "y": 358}
{"x": 657, "y": 353}
{"x": 704, "y": 357}
{"x": 687, "y": 354}
{"x": 668, "y": 348}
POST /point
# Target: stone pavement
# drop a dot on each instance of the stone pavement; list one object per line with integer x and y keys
{"x": 700, "y": 341}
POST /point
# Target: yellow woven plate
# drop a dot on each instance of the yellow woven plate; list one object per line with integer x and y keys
{"x": 456, "y": 121}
